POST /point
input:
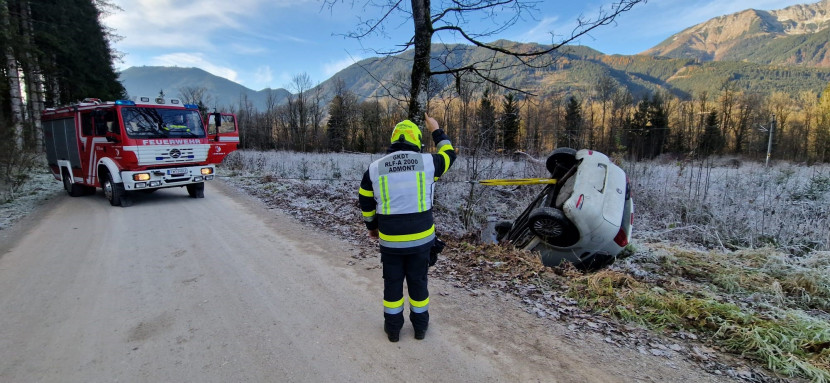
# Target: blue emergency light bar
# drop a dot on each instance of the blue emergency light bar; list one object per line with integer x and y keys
{"x": 125, "y": 102}
{"x": 191, "y": 106}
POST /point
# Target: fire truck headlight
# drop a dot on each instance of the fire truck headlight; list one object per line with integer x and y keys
{"x": 197, "y": 179}
{"x": 140, "y": 185}
{"x": 141, "y": 177}
{"x": 206, "y": 171}
{"x": 155, "y": 183}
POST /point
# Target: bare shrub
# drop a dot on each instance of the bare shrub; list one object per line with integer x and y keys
{"x": 16, "y": 167}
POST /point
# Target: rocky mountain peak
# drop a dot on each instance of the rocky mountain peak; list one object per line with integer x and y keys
{"x": 723, "y": 37}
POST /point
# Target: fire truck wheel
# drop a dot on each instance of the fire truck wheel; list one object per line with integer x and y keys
{"x": 73, "y": 189}
{"x": 114, "y": 191}
{"x": 196, "y": 190}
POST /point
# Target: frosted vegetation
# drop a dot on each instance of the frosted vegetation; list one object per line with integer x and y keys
{"x": 732, "y": 254}
{"x": 715, "y": 203}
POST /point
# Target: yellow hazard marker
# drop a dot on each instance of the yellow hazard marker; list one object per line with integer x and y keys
{"x": 519, "y": 181}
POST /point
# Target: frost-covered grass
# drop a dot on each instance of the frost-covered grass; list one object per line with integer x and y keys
{"x": 737, "y": 255}
{"x": 724, "y": 207}
{"x": 15, "y": 203}
{"x": 462, "y": 207}
{"x": 786, "y": 206}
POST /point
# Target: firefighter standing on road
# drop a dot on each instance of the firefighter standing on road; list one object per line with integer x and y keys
{"x": 396, "y": 199}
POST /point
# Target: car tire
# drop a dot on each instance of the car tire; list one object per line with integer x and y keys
{"x": 73, "y": 189}
{"x": 552, "y": 225}
{"x": 114, "y": 191}
{"x": 196, "y": 190}
{"x": 560, "y": 161}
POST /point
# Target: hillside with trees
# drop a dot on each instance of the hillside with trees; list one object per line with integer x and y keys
{"x": 634, "y": 106}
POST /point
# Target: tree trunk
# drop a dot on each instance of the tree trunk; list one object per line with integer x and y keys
{"x": 33, "y": 77}
{"x": 13, "y": 73}
{"x": 420, "y": 63}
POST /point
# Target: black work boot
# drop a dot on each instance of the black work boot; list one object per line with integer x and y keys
{"x": 394, "y": 336}
{"x": 420, "y": 334}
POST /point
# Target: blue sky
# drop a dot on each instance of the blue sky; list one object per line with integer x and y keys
{"x": 264, "y": 43}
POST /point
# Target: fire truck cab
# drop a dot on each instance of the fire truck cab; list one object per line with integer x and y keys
{"x": 128, "y": 146}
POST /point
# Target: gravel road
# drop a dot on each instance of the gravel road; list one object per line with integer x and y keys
{"x": 223, "y": 289}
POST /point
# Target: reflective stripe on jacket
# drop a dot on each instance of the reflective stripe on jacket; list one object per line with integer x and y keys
{"x": 402, "y": 186}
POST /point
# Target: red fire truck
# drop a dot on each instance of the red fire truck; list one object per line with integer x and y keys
{"x": 129, "y": 146}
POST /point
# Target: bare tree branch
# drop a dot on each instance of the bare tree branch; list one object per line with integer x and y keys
{"x": 453, "y": 19}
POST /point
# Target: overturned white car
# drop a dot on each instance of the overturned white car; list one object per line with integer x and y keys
{"x": 585, "y": 218}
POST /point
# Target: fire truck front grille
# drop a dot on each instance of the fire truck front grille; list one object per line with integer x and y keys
{"x": 163, "y": 154}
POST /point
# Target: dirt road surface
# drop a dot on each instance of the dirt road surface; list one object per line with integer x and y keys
{"x": 222, "y": 289}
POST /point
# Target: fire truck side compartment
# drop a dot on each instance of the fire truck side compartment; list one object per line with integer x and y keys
{"x": 61, "y": 142}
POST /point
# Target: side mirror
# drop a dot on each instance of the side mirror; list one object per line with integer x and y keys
{"x": 217, "y": 119}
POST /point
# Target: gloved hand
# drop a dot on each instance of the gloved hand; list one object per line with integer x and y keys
{"x": 437, "y": 248}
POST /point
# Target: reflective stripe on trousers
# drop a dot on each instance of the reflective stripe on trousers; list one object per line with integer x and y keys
{"x": 419, "y": 306}
{"x": 393, "y": 307}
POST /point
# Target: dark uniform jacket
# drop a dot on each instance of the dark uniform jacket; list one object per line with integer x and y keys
{"x": 396, "y": 194}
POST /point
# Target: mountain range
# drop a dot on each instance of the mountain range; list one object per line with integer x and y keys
{"x": 759, "y": 51}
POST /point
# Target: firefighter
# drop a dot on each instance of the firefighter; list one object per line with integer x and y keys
{"x": 396, "y": 200}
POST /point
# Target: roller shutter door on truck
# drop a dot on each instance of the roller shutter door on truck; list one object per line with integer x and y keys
{"x": 61, "y": 142}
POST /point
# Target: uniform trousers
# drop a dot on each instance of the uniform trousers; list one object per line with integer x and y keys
{"x": 413, "y": 268}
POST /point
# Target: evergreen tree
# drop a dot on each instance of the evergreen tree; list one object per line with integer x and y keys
{"x": 510, "y": 123}
{"x": 712, "y": 141}
{"x": 656, "y": 128}
{"x": 337, "y": 125}
{"x": 74, "y": 52}
{"x": 573, "y": 125}
{"x": 486, "y": 116}
{"x": 636, "y": 130}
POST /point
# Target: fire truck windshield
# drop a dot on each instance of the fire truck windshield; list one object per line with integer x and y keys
{"x": 141, "y": 122}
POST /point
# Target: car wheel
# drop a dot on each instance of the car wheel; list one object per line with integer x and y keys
{"x": 552, "y": 225}
{"x": 114, "y": 191}
{"x": 73, "y": 189}
{"x": 560, "y": 161}
{"x": 196, "y": 190}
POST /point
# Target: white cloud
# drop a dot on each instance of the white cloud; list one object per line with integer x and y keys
{"x": 331, "y": 68}
{"x": 248, "y": 49}
{"x": 263, "y": 77}
{"x": 541, "y": 32}
{"x": 185, "y": 59}
{"x": 284, "y": 78}
{"x": 168, "y": 23}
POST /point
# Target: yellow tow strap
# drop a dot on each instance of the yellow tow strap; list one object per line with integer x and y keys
{"x": 520, "y": 181}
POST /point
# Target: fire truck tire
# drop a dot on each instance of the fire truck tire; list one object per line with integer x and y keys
{"x": 114, "y": 191}
{"x": 73, "y": 189}
{"x": 196, "y": 190}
